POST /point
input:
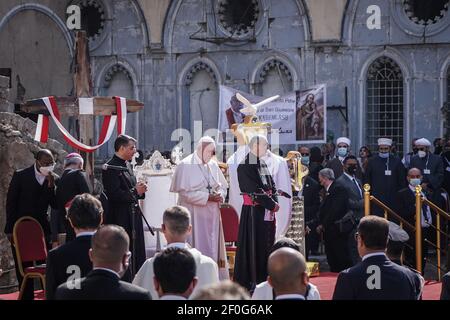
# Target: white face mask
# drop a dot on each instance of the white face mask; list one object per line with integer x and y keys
{"x": 46, "y": 170}
{"x": 422, "y": 154}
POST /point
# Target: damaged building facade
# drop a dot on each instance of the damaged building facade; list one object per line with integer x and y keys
{"x": 386, "y": 80}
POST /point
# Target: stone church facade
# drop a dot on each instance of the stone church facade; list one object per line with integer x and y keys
{"x": 173, "y": 55}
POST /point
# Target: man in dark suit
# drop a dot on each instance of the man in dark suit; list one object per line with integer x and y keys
{"x": 30, "y": 193}
{"x": 72, "y": 258}
{"x": 71, "y": 183}
{"x": 287, "y": 274}
{"x": 310, "y": 192}
{"x": 376, "y": 277}
{"x": 233, "y": 113}
{"x": 406, "y": 208}
{"x": 355, "y": 200}
{"x": 110, "y": 259}
{"x": 332, "y": 210}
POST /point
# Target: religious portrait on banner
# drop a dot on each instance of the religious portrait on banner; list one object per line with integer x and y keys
{"x": 309, "y": 116}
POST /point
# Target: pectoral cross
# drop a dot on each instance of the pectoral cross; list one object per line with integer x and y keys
{"x": 209, "y": 188}
{"x": 68, "y": 106}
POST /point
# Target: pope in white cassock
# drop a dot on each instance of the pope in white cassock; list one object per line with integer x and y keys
{"x": 279, "y": 170}
{"x": 201, "y": 188}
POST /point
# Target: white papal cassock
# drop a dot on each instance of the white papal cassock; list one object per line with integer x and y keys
{"x": 191, "y": 181}
{"x": 279, "y": 170}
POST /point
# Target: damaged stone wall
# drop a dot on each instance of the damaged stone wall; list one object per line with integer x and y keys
{"x": 17, "y": 151}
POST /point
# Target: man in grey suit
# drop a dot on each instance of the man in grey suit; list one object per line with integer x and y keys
{"x": 355, "y": 200}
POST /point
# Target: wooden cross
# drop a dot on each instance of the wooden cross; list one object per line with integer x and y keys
{"x": 68, "y": 106}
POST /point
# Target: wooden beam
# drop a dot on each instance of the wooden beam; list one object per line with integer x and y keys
{"x": 68, "y": 106}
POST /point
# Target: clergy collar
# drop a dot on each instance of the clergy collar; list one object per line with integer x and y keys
{"x": 171, "y": 297}
{"x": 367, "y": 256}
{"x": 119, "y": 159}
{"x": 292, "y": 296}
{"x": 181, "y": 245}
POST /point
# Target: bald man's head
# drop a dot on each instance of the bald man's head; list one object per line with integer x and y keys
{"x": 414, "y": 172}
{"x": 109, "y": 245}
{"x": 287, "y": 271}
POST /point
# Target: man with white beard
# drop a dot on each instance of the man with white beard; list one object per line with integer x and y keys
{"x": 201, "y": 188}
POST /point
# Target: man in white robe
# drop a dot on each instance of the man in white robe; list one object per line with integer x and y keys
{"x": 279, "y": 170}
{"x": 176, "y": 228}
{"x": 201, "y": 188}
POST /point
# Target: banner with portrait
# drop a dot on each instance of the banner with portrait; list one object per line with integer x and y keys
{"x": 299, "y": 116}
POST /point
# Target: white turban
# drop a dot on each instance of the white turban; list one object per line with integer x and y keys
{"x": 385, "y": 142}
{"x": 343, "y": 140}
{"x": 423, "y": 142}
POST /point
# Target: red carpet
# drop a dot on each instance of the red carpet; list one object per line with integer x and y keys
{"x": 327, "y": 280}
{"x": 325, "y": 283}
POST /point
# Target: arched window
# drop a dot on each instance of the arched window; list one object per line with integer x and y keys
{"x": 201, "y": 84}
{"x": 274, "y": 78}
{"x": 425, "y": 12}
{"x": 384, "y": 117}
{"x": 117, "y": 81}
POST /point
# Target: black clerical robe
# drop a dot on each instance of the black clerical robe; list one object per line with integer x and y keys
{"x": 385, "y": 177}
{"x": 254, "y": 177}
{"x": 119, "y": 187}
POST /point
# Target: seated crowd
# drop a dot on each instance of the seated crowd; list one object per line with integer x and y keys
{"x": 100, "y": 256}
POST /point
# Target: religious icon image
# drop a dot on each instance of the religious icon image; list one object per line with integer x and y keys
{"x": 309, "y": 117}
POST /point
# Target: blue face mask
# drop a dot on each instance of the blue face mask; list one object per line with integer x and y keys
{"x": 415, "y": 182}
{"x": 305, "y": 160}
{"x": 383, "y": 155}
{"x": 342, "y": 152}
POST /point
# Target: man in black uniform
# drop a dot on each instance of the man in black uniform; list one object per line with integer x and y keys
{"x": 123, "y": 191}
{"x": 254, "y": 177}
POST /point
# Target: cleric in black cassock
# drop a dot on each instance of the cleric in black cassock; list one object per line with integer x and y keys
{"x": 118, "y": 183}
{"x": 254, "y": 177}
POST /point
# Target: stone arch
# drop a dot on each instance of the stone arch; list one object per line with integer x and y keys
{"x": 118, "y": 78}
{"x": 174, "y": 9}
{"x": 276, "y": 67}
{"x": 199, "y": 86}
{"x": 46, "y": 11}
{"x": 366, "y": 72}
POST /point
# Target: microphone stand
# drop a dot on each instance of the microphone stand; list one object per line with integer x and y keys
{"x": 134, "y": 208}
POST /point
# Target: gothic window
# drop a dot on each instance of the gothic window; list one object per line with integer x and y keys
{"x": 203, "y": 93}
{"x": 92, "y": 17}
{"x": 384, "y": 117}
{"x": 117, "y": 81}
{"x": 274, "y": 78}
{"x": 425, "y": 12}
{"x": 238, "y": 17}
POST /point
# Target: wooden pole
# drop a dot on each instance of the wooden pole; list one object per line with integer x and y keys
{"x": 83, "y": 88}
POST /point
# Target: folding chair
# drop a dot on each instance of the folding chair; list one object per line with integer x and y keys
{"x": 29, "y": 242}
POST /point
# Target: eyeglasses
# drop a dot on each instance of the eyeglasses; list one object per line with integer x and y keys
{"x": 304, "y": 154}
{"x": 421, "y": 148}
